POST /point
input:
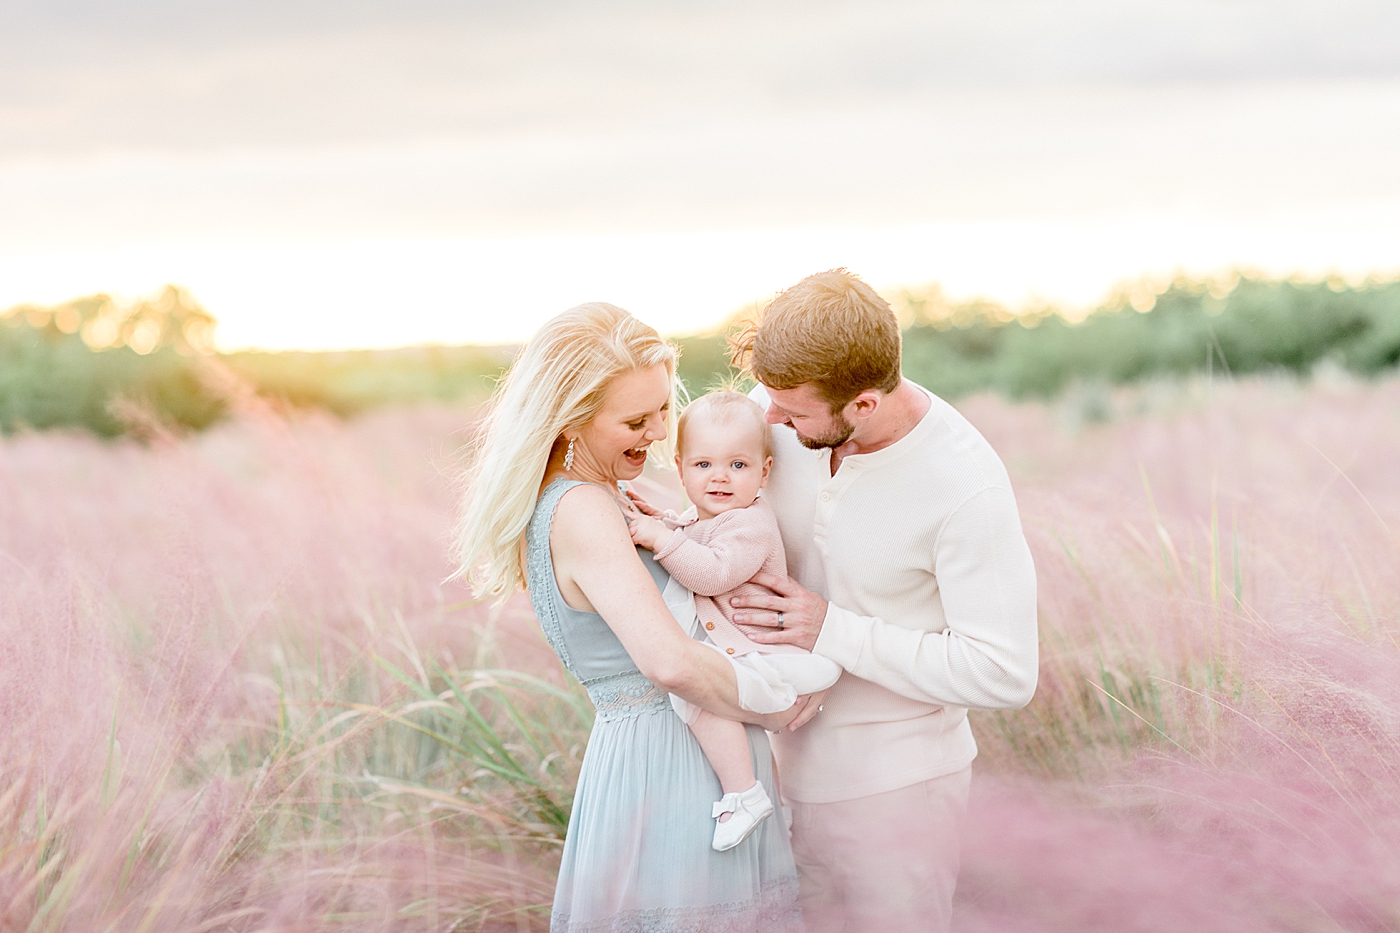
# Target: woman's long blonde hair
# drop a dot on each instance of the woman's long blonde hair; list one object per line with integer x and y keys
{"x": 557, "y": 382}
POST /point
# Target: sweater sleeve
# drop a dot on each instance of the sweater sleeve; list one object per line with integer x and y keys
{"x": 738, "y": 544}
{"x": 988, "y": 656}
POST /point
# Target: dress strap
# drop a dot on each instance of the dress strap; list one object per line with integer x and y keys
{"x": 549, "y": 501}
{"x": 539, "y": 568}
{"x": 541, "y": 520}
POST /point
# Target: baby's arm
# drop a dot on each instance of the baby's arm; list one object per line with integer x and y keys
{"x": 735, "y": 552}
{"x": 649, "y": 532}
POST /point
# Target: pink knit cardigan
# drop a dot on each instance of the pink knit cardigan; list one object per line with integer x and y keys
{"x": 716, "y": 558}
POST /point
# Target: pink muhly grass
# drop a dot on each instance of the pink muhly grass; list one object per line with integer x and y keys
{"x": 231, "y": 679}
{"x": 1216, "y": 739}
{"x": 191, "y": 688}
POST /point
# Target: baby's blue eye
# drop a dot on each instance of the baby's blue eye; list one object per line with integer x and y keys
{"x": 703, "y": 464}
{"x": 738, "y": 464}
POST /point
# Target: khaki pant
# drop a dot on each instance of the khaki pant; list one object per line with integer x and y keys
{"x": 886, "y": 863}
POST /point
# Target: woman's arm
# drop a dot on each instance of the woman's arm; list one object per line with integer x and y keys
{"x": 597, "y": 569}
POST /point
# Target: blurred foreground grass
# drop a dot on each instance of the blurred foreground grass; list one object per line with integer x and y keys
{"x": 238, "y": 696}
{"x": 108, "y": 367}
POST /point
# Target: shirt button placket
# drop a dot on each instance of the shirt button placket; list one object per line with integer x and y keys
{"x": 823, "y": 519}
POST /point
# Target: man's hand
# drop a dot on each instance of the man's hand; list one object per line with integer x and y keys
{"x": 802, "y": 611}
{"x": 648, "y": 532}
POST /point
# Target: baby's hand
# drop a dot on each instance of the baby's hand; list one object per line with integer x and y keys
{"x": 648, "y": 532}
{"x": 643, "y": 506}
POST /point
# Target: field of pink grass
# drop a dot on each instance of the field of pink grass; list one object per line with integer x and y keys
{"x": 236, "y": 695}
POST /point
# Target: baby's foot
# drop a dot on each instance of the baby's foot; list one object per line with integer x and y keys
{"x": 745, "y": 810}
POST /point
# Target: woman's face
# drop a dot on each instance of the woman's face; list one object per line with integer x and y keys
{"x": 613, "y": 446}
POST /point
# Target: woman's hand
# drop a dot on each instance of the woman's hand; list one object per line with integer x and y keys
{"x": 779, "y": 721}
{"x": 807, "y": 707}
{"x": 795, "y": 716}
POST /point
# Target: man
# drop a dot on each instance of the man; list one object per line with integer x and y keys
{"x": 896, "y": 510}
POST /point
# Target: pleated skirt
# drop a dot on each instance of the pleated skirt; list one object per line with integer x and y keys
{"x": 637, "y": 856}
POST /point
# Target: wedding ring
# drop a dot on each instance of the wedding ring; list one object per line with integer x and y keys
{"x": 780, "y": 620}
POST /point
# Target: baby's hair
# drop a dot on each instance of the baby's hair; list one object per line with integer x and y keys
{"x": 725, "y": 405}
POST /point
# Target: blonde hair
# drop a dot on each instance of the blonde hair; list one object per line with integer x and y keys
{"x": 831, "y": 330}
{"x": 724, "y": 405}
{"x": 558, "y": 382}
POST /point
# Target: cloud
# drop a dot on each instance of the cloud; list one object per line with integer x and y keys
{"x": 1250, "y": 152}
{"x": 155, "y": 74}
{"x": 223, "y": 144}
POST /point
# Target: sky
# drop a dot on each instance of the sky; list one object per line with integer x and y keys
{"x": 348, "y": 173}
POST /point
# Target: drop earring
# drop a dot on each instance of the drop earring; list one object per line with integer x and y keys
{"x": 569, "y": 456}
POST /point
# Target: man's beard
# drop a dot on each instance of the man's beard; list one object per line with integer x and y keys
{"x": 836, "y": 438}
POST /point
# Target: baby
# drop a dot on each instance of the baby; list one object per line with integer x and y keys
{"x": 724, "y": 453}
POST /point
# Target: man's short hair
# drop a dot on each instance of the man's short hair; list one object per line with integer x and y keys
{"x": 831, "y": 330}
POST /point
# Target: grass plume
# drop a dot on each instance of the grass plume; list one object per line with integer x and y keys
{"x": 237, "y": 697}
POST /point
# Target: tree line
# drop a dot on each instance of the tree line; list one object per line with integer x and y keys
{"x": 105, "y": 366}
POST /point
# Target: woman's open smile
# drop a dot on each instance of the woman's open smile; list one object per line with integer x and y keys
{"x": 614, "y": 445}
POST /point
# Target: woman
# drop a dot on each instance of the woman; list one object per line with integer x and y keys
{"x": 577, "y": 413}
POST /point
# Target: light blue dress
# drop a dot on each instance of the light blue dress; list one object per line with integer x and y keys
{"x": 637, "y": 857}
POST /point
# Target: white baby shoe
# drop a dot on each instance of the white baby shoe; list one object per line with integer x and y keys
{"x": 749, "y": 808}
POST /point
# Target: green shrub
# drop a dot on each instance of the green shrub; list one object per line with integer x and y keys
{"x": 93, "y": 363}
{"x": 1258, "y": 324}
{"x": 349, "y": 382}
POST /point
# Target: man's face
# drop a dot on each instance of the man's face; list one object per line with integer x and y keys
{"x": 809, "y": 414}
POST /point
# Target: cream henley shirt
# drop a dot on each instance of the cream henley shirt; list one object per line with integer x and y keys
{"x": 918, "y": 548}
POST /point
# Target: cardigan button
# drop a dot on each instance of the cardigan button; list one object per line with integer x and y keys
{"x": 730, "y": 650}
{"x": 709, "y": 625}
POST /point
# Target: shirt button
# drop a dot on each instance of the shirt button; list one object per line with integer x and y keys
{"x": 826, "y": 497}
{"x": 729, "y": 650}
{"x": 709, "y": 625}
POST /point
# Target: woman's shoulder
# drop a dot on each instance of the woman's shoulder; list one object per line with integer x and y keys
{"x": 586, "y": 506}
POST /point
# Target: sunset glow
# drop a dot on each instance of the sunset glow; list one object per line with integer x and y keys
{"x": 301, "y": 171}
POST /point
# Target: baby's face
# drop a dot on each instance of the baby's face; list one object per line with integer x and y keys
{"x": 722, "y": 466}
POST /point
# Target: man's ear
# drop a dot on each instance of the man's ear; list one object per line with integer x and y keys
{"x": 864, "y": 404}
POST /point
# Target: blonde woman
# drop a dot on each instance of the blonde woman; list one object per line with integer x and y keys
{"x": 578, "y": 413}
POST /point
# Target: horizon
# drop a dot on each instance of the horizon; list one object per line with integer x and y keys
{"x": 348, "y": 313}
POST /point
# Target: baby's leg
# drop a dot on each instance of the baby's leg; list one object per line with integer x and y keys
{"x": 726, "y": 745}
{"x": 807, "y": 673}
{"x": 745, "y": 803}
